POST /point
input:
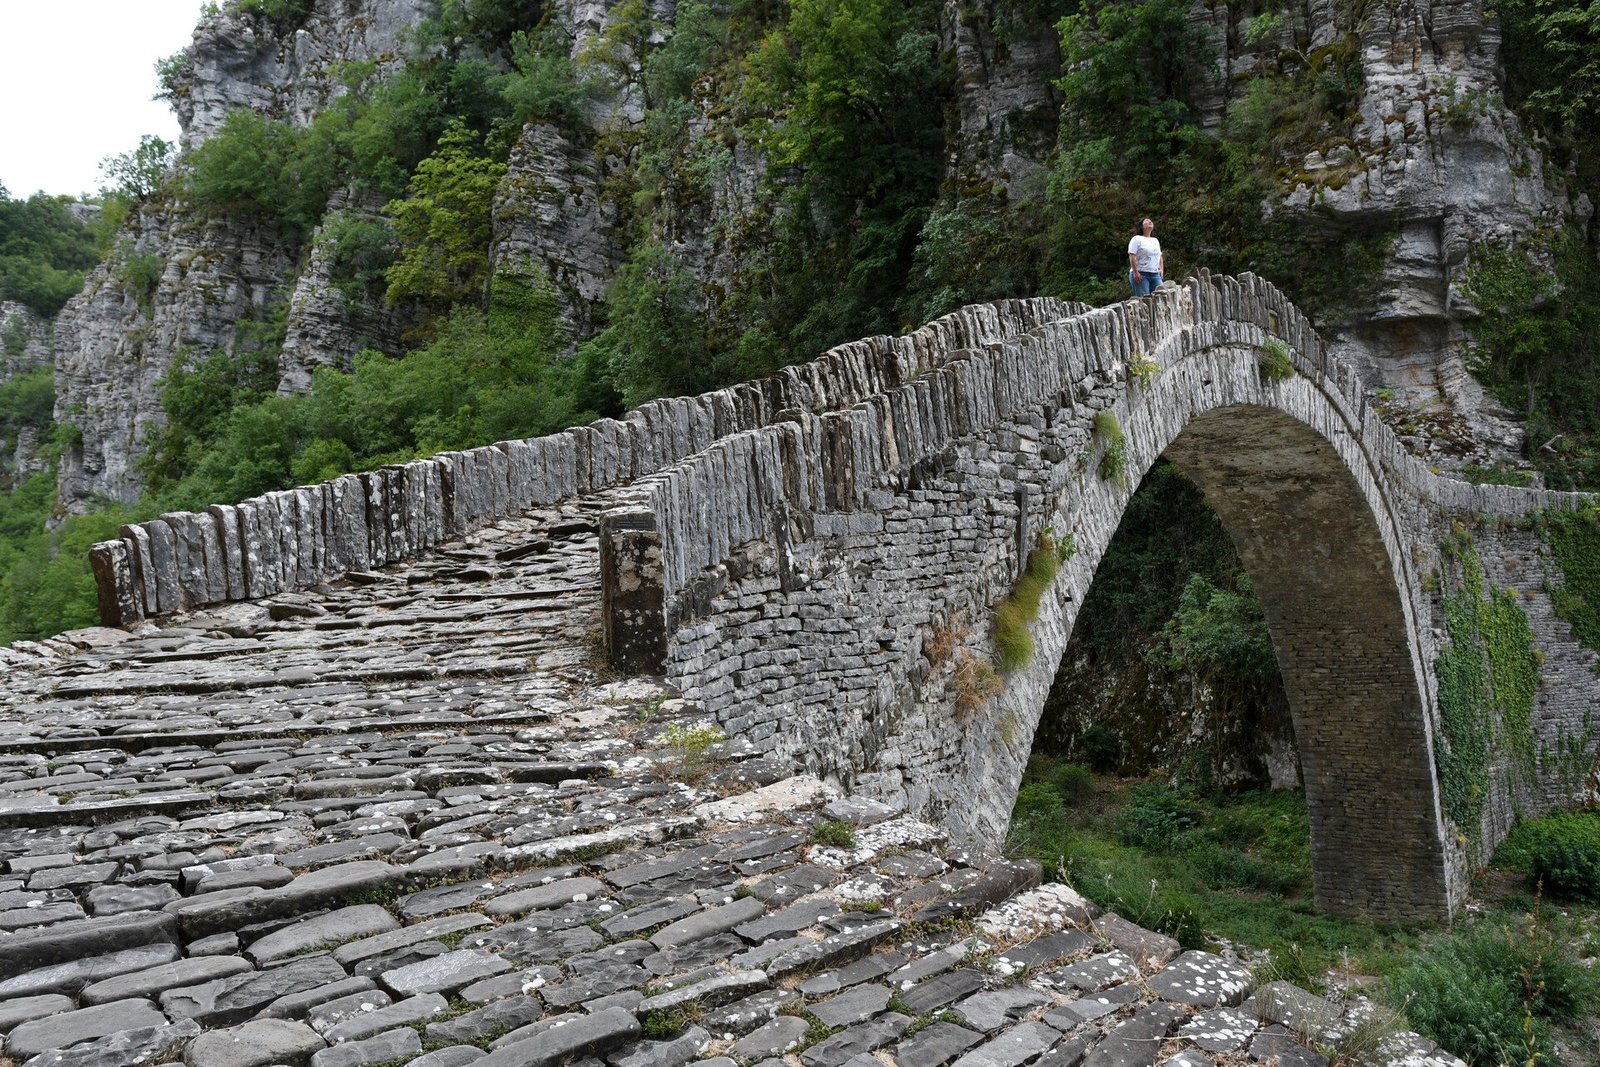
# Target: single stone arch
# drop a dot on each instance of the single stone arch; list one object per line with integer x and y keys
{"x": 1313, "y": 521}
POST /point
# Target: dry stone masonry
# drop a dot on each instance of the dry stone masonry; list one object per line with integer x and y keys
{"x": 813, "y": 558}
{"x": 405, "y": 818}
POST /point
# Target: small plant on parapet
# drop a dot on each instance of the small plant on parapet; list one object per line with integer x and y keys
{"x": 1276, "y": 364}
{"x": 1143, "y": 369}
{"x": 1113, "y": 449}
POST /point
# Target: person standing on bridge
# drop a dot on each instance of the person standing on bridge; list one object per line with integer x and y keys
{"x": 1146, "y": 262}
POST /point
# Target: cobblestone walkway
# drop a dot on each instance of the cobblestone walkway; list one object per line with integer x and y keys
{"x": 410, "y": 820}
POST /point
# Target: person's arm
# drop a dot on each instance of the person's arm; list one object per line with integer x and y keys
{"x": 1161, "y": 268}
{"x": 1133, "y": 265}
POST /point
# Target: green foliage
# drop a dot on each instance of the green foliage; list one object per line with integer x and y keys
{"x": 1559, "y": 852}
{"x": 1184, "y": 863}
{"x": 27, "y": 399}
{"x": 656, "y": 343}
{"x": 200, "y": 393}
{"x": 543, "y": 85}
{"x": 1489, "y": 990}
{"x": 1218, "y": 633}
{"x": 265, "y": 170}
{"x": 285, "y": 15}
{"x": 1113, "y": 465}
{"x": 1574, "y": 539}
{"x": 139, "y": 172}
{"x": 485, "y": 377}
{"x": 363, "y": 250}
{"x": 1552, "y": 64}
{"x": 1129, "y": 71}
{"x": 44, "y": 251}
{"x": 1538, "y": 351}
{"x": 138, "y": 273}
{"x": 843, "y": 102}
{"x": 443, "y": 225}
{"x": 1276, "y": 364}
{"x": 45, "y": 583}
{"x": 1488, "y": 675}
{"x": 1156, "y": 818}
{"x": 1013, "y": 615}
{"x": 834, "y": 834}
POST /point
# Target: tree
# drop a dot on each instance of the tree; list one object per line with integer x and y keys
{"x": 443, "y": 226}
{"x": 138, "y": 172}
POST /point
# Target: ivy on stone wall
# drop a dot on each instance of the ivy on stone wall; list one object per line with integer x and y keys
{"x": 1488, "y": 675}
{"x": 1574, "y": 538}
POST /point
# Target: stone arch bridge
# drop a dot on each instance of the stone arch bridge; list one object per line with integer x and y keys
{"x": 813, "y": 558}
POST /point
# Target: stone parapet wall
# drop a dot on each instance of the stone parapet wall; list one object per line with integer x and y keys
{"x": 299, "y": 538}
{"x": 824, "y": 584}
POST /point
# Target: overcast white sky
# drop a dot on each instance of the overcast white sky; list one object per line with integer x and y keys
{"x": 76, "y": 80}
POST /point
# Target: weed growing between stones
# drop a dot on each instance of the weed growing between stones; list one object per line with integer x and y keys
{"x": 1276, "y": 364}
{"x": 661, "y": 1024}
{"x": 835, "y": 834}
{"x": 1113, "y": 464}
{"x": 1012, "y": 642}
{"x": 693, "y": 757}
{"x": 975, "y": 682}
{"x": 1143, "y": 369}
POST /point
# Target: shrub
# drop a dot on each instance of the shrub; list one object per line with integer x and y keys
{"x": 1102, "y": 748}
{"x": 1157, "y": 818}
{"x": 1488, "y": 990}
{"x": 1561, "y": 852}
{"x": 443, "y": 226}
{"x": 28, "y": 399}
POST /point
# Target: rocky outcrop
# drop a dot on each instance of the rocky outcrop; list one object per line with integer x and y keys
{"x": 550, "y": 222}
{"x": 1006, "y": 61}
{"x": 180, "y": 284}
{"x": 175, "y": 288}
{"x": 291, "y": 71}
{"x": 26, "y": 344}
{"x": 331, "y": 318}
{"x": 25, "y": 340}
{"x": 1436, "y": 157}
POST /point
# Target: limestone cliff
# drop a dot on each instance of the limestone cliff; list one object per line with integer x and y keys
{"x": 26, "y": 344}
{"x": 1431, "y": 156}
{"x": 181, "y": 284}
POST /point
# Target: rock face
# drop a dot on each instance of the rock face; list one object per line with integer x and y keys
{"x": 331, "y": 319}
{"x": 1431, "y": 155}
{"x": 249, "y": 61}
{"x": 27, "y": 343}
{"x": 1006, "y": 64}
{"x": 549, "y": 221}
{"x": 175, "y": 288}
{"x": 1436, "y": 157}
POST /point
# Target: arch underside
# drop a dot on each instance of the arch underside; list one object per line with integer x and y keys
{"x": 1308, "y": 538}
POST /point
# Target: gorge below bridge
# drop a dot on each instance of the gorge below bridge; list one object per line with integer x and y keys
{"x": 813, "y": 559}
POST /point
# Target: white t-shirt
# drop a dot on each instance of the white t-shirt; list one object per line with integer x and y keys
{"x": 1146, "y": 253}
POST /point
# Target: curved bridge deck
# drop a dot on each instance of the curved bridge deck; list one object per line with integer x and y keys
{"x": 407, "y": 812}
